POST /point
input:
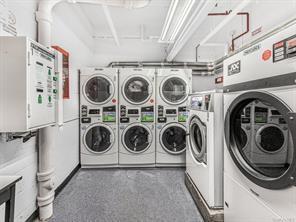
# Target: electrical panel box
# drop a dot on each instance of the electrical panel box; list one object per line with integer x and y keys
{"x": 28, "y": 85}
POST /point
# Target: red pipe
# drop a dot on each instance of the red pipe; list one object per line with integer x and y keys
{"x": 240, "y": 35}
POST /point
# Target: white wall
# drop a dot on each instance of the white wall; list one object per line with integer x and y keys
{"x": 17, "y": 158}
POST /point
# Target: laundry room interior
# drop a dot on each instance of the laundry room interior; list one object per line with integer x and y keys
{"x": 147, "y": 110}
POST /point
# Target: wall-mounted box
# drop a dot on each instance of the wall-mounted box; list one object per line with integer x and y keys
{"x": 27, "y": 85}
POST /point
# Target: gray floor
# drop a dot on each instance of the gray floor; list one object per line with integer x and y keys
{"x": 119, "y": 195}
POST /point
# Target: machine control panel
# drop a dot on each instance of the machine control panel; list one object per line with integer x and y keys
{"x": 160, "y": 111}
{"x": 171, "y": 112}
{"x": 147, "y": 114}
{"x": 122, "y": 110}
{"x": 109, "y": 114}
{"x": 284, "y": 49}
{"x": 83, "y": 111}
{"x": 85, "y": 120}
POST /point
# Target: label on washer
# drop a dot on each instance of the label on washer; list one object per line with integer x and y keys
{"x": 182, "y": 117}
{"x": 147, "y": 117}
{"x": 109, "y": 117}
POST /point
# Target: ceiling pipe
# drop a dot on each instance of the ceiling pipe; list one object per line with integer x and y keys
{"x": 46, "y": 138}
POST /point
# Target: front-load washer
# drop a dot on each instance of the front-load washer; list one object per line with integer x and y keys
{"x": 137, "y": 117}
{"x": 172, "y": 89}
{"x": 98, "y": 117}
{"x": 204, "y": 155}
{"x": 260, "y": 130}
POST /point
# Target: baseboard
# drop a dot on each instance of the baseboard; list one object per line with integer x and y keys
{"x": 58, "y": 190}
{"x": 67, "y": 180}
{"x": 209, "y": 214}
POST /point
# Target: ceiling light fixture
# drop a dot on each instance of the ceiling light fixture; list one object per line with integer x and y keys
{"x": 168, "y": 20}
{"x": 175, "y": 21}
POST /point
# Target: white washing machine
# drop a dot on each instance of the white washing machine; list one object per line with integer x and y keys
{"x": 260, "y": 130}
{"x": 99, "y": 117}
{"x": 137, "y": 117}
{"x": 173, "y": 87}
{"x": 204, "y": 156}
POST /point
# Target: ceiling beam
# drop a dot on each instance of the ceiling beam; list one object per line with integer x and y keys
{"x": 111, "y": 24}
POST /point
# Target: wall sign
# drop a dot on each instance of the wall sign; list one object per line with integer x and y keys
{"x": 66, "y": 72}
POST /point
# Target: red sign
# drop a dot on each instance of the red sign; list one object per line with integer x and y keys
{"x": 266, "y": 55}
{"x": 66, "y": 72}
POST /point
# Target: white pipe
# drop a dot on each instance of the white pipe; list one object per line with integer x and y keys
{"x": 47, "y": 135}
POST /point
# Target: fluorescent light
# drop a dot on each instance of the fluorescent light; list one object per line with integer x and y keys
{"x": 182, "y": 19}
{"x": 169, "y": 18}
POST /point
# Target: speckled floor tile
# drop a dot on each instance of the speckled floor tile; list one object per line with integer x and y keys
{"x": 126, "y": 195}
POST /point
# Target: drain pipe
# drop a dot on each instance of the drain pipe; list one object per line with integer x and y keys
{"x": 46, "y": 136}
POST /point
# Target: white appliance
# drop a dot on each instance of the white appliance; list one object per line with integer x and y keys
{"x": 260, "y": 130}
{"x": 99, "y": 117}
{"x": 137, "y": 117}
{"x": 173, "y": 87}
{"x": 204, "y": 155}
{"x": 28, "y": 85}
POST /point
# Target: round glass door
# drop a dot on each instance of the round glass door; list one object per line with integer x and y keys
{"x": 137, "y": 138}
{"x": 98, "y": 89}
{"x": 137, "y": 90}
{"x": 173, "y": 138}
{"x": 99, "y": 138}
{"x": 197, "y": 138}
{"x": 261, "y": 138}
{"x": 174, "y": 90}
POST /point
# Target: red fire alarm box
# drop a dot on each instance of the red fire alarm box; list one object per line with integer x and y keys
{"x": 66, "y": 72}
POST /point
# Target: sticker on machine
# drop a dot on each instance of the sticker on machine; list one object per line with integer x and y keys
{"x": 266, "y": 55}
{"x": 234, "y": 68}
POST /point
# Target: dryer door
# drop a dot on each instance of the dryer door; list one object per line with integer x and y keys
{"x": 99, "y": 138}
{"x": 197, "y": 139}
{"x": 173, "y": 138}
{"x": 174, "y": 90}
{"x": 98, "y": 89}
{"x": 260, "y": 135}
{"x": 137, "y": 138}
{"x": 137, "y": 90}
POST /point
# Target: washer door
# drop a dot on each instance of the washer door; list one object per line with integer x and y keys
{"x": 137, "y": 138}
{"x": 137, "y": 90}
{"x": 173, "y": 138}
{"x": 269, "y": 160}
{"x": 197, "y": 138}
{"x": 174, "y": 90}
{"x": 99, "y": 138}
{"x": 98, "y": 89}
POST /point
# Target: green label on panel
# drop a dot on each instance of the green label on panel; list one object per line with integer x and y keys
{"x": 39, "y": 99}
{"x": 147, "y": 117}
{"x": 109, "y": 117}
{"x": 182, "y": 117}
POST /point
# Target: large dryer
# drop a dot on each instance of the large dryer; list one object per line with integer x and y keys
{"x": 172, "y": 89}
{"x": 98, "y": 117}
{"x": 204, "y": 156}
{"x": 260, "y": 130}
{"x": 137, "y": 117}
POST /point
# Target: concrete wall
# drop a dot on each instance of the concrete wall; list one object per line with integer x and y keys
{"x": 17, "y": 158}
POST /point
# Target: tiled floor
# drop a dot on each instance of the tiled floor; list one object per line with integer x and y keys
{"x": 121, "y": 195}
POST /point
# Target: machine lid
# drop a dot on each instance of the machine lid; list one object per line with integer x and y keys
{"x": 197, "y": 139}
{"x": 99, "y": 138}
{"x": 260, "y": 135}
{"x": 173, "y": 138}
{"x": 174, "y": 90}
{"x": 137, "y": 138}
{"x": 98, "y": 89}
{"x": 137, "y": 89}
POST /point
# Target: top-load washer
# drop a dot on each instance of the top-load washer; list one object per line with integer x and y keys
{"x": 137, "y": 117}
{"x": 204, "y": 156}
{"x": 99, "y": 117}
{"x": 260, "y": 130}
{"x": 172, "y": 89}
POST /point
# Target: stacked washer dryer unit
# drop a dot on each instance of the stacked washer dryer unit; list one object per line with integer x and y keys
{"x": 98, "y": 117}
{"x": 173, "y": 87}
{"x": 137, "y": 117}
{"x": 260, "y": 130}
{"x": 204, "y": 156}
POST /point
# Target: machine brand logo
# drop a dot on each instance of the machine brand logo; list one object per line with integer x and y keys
{"x": 234, "y": 68}
{"x": 252, "y": 49}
